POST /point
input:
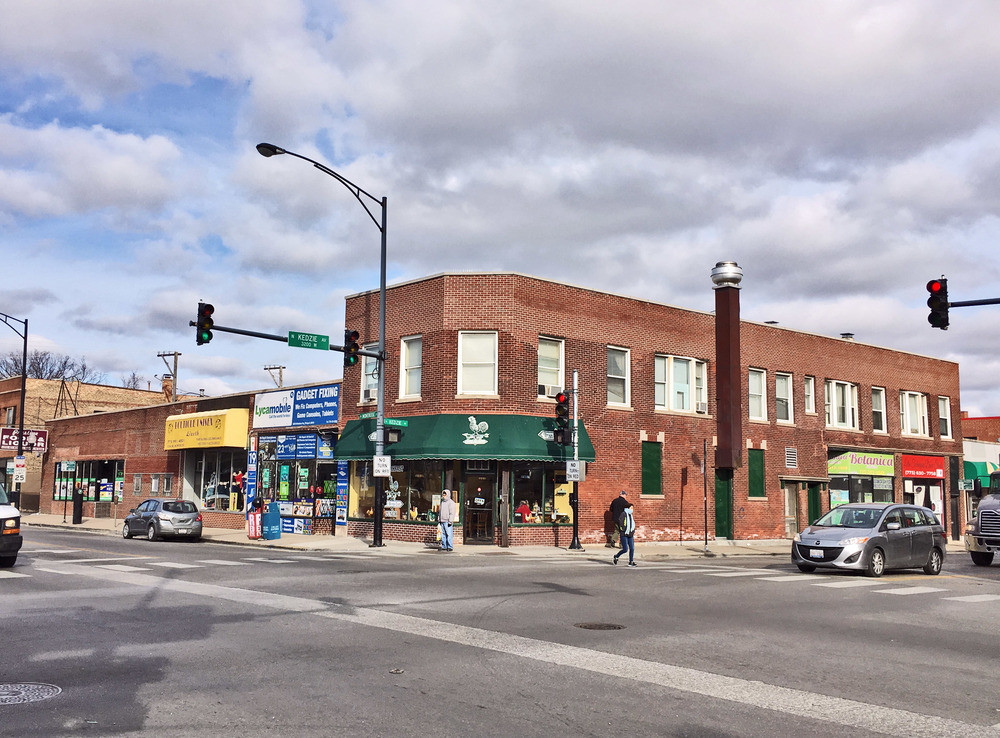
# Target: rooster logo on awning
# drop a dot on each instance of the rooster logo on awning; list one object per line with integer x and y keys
{"x": 479, "y": 435}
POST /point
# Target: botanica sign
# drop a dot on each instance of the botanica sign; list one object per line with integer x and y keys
{"x": 862, "y": 462}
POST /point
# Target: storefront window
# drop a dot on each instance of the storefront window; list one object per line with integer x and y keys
{"x": 412, "y": 493}
{"x": 98, "y": 481}
{"x": 218, "y": 479}
{"x": 540, "y": 494}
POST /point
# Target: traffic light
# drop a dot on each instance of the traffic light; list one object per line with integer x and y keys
{"x": 203, "y": 327}
{"x": 562, "y": 435}
{"x": 351, "y": 347}
{"x": 938, "y": 303}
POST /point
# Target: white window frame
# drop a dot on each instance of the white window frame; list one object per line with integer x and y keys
{"x": 760, "y": 394}
{"x": 464, "y": 336}
{"x": 545, "y": 375}
{"x": 411, "y": 352}
{"x": 369, "y": 371}
{"x": 841, "y": 400}
{"x": 809, "y": 393}
{"x": 944, "y": 416}
{"x": 788, "y": 398}
{"x": 879, "y": 412}
{"x": 913, "y": 414}
{"x": 669, "y": 395}
{"x": 628, "y": 371}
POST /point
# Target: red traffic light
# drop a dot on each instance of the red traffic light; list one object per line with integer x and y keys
{"x": 935, "y": 286}
{"x": 561, "y": 398}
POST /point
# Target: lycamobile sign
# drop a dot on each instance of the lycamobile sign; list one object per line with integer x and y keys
{"x": 318, "y": 405}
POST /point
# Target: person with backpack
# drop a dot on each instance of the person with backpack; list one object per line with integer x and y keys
{"x": 617, "y": 505}
{"x": 626, "y": 531}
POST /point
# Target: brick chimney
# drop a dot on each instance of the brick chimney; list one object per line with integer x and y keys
{"x": 168, "y": 386}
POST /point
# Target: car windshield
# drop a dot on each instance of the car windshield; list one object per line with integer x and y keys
{"x": 180, "y": 506}
{"x": 4, "y": 500}
{"x": 850, "y": 517}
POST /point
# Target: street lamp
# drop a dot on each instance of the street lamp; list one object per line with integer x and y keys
{"x": 16, "y": 493}
{"x": 363, "y": 197}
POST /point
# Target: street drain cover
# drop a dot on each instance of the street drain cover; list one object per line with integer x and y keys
{"x": 13, "y": 694}
{"x": 599, "y": 626}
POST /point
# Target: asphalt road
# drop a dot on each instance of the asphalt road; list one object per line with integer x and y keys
{"x": 102, "y": 636}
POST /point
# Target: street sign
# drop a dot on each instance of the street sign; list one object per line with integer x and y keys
{"x": 366, "y": 416}
{"x": 572, "y": 471}
{"x": 20, "y": 469}
{"x": 309, "y": 340}
{"x": 382, "y": 466}
{"x": 396, "y": 422}
{"x": 967, "y": 485}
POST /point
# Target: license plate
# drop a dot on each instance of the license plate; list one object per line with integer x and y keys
{"x": 183, "y": 530}
{"x": 815, "y": 553}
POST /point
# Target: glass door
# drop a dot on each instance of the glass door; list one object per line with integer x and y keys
{"x": 479, "y": 503}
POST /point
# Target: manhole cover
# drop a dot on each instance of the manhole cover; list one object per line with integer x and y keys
{"x": 13, "y": 694}
{"x": 599, "y": 626}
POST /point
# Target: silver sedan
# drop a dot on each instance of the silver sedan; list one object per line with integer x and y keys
{"x": 872, "y": 538}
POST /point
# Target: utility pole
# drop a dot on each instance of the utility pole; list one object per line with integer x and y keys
{"x": 280, "y": 381}
{"x": 163, "y": 355}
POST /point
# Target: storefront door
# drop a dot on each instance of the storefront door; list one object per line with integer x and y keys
{"x": 478, "y": 502}
{"x": 791, "y": 492}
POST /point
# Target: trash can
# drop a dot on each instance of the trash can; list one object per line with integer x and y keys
{"x": 270, "y": 522}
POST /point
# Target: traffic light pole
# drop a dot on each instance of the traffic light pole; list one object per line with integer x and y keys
{"x": 15, "y": 494}
{"x": 284, "y": 339}
{"x": 575, "y": 543}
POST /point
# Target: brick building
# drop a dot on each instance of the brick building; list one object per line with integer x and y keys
{"x": 825, "y": 420}
{"x": 46, "y": 399}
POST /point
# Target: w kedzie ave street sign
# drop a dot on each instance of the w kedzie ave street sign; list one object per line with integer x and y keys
{"x": 309, "y": 340}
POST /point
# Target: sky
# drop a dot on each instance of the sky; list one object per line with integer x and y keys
{"x": 842, "y": 152}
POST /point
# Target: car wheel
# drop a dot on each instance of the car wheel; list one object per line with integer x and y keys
{"x": 806, "y": 568}
{"x": 126, "y": 531}
{"x": 934, "y": 561}
{"x": 876, "y": 563}
{"x": 981, "y": 558}
{"x": 151, "y": 532}
{"x": 7, "y": 561}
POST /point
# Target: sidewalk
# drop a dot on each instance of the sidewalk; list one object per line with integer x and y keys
{"x": 342, "y": 543}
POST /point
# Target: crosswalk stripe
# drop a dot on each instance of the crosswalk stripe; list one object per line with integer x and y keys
{"x": 789, "y": 578}
{"x": 122, "y": 567}
{"x": 909, "y": 590}
{"x": 845, "y": 583}
{"x": 744, "y": 573}
{"x": 48, "y": 550}
{"x": 12, "y": 574}
{"x": 174, "y": 565}
{"x": 271, "y": 561}
{"x": 223, "y": 562}
{"x": 974, "y": 598}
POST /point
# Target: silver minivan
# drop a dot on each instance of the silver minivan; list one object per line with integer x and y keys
{"x": 872, "y": 538}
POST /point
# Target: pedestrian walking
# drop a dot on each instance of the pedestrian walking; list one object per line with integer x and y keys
{"x": 617, "y": 505}
{"x": 446, "y": 519}
{"x": 626, "y": 530}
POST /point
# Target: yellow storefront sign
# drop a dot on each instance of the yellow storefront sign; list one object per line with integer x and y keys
{"x": 207, "y": 430}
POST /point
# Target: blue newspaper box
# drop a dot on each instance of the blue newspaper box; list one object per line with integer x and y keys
{"x": 270, "y": 522}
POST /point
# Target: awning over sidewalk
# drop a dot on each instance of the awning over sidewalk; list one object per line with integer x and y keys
{"x": 503, "y": 437}
{"x": 980, "y": 469}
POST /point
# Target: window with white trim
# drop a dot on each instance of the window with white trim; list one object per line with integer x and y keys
{"x": 878, "y": 410}
{"x": 809, "y": 392}
{"x": 369, "y": 374}
{"x": 841, "y": 404}
{"x": 410, "y": 361}
{"x": 679, "y": 384}
{"x": 944, "y": 417}
{"x": 913, "y": 413}
{"x": 783, "y": 405}
{"x": 477, "y": 363}
{"x": 618, "y": 379}
{"x": 550, "y": 363}
{"x": 756, "y": 398}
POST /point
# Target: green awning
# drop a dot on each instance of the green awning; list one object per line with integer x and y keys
{"x": 504, "y": 437}
{"x": 981, "y": 469}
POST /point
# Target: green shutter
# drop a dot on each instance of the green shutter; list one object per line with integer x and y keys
{"x": 755, "y": 470}
{"x": 652, "y": 468}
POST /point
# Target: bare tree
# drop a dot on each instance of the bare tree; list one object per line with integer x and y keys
{"x": 47, "y": 365}
{"x": 132, "y": 381}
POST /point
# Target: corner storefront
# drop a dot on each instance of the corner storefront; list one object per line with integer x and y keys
{"x": 860, "y": 476}
{"x": 508, "y": 473}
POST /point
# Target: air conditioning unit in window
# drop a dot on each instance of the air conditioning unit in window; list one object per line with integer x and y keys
{"x": 369, "y": 395}
{"x": 701, "y": 407}
{"x": 549, "y": 390}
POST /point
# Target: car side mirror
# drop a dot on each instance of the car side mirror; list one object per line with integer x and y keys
{"x": 892, "y": 526}
{"x": 131, "y": 511}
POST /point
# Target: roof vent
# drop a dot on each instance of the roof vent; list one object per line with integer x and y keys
{"x": 847, "y": 336}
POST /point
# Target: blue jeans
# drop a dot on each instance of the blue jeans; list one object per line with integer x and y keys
{"x": 628, "y": 544}
{"x": 446, "y": 536}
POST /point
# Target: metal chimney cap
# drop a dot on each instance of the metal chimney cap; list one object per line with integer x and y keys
{"x": 727, "y": 274}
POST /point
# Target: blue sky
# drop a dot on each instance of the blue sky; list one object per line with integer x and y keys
{"x": 842, "y": 152}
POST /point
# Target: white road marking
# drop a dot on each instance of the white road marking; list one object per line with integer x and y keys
{"x": 974, "y": 598}
{"x": 106, "y": 558}
{"x": 83, "y": 653}
{"x": 743, "y": 573}
{"x": 795, "y": 702}
{"x": 48, "y": 550}
{"x": 910, "y": 590}
{"x": 270, "y": 561}
{"x": 122, "y": 567}
{"x": 223, "y": 562}
{"x": 174, "y": 565}
{"x": 4, "y": 574}
{"x": 845, "y": 583}
{"x": 789, "y": 578}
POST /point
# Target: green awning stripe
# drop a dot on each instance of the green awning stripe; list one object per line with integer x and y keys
{"x": 486, "y": 437}
{"x": 981, "y": 469}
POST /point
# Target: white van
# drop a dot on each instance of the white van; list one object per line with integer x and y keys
{"x": 10, "y": 530}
